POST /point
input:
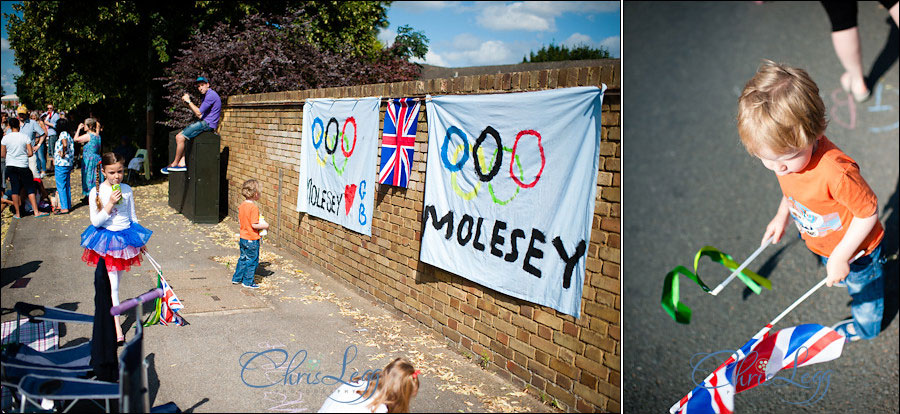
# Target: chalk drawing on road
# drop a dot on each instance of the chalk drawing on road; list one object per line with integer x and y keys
{"x": 847, "y": 117}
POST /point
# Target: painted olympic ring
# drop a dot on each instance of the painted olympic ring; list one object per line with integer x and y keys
{"x": 453, "y": 183}
{"x": 497, "y": 160}
{"x": 343, "y": 137}
{"x": 543, "y": 159}
{"x": 333, "y": 149}
{"x": 465, "y": 157}
{"x": 318, "y": 120}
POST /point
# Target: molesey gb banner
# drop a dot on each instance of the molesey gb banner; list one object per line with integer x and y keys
{"x": 509, "y": 190}
{"x": 338, "y": 160}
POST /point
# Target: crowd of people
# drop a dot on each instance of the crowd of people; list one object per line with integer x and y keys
{"x": 37, "y": 145}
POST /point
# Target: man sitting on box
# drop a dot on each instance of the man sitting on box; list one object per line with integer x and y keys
{"x": 208, "y": 112}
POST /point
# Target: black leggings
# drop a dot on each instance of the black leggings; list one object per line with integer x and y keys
{"x": 843, "y": 13}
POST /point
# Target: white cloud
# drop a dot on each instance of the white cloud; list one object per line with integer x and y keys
{"x": 466, "y": 41}
{"x": 8, "y": 84}
{"x": 577, "y": 39}
{"x": 515, "y": 16}
{"x": 423, "y": 6}
{"x": 491, "y": 52}
{"x": 5, "y": 44}
{"x": 431, "y": 58}
{"x": 537, "y": 15}
{"x": 612, "y": 44}
{"x": 386, "y": 37}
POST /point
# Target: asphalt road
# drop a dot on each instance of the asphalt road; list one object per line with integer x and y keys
{"x": 688, "y": 183}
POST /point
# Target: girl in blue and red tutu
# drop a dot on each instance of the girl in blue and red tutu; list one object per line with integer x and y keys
{"x": 114, "y": 234}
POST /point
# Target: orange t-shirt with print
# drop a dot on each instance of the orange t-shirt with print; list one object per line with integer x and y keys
{"x": 248, "y": 214}
{"x": 825, "y": 197}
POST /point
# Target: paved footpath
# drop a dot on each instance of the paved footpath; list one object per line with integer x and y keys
{"x": 298, "y": 309}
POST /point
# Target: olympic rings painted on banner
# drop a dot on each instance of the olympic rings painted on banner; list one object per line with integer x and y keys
{"x": 334, "y": 160}
{"x": 516, "y": 193}
{"x": 336, "y": 137}
{"x": 543, "y": 159}
{"x": 497, "y": 160}
{"x": 465, "y": 157}
{"x": 343, "y": 137}
{"x": 453, "y": 183}
{"x": 318, "y": 121}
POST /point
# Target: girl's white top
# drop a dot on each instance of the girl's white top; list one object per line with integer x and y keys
{"x": 346, "y": 400}
{"x": 121, "y": 216}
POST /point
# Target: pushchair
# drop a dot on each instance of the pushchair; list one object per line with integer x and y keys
{"x": 131, "y": 390}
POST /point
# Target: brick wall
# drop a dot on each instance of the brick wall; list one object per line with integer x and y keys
{"x": 576, "y": 361}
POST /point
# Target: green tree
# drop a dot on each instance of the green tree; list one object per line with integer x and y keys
{"x": 554, "y": 53}
{"x": 334, "y": 24}
{"x": 102, "y": 57}
{"x": 410, "y": 43}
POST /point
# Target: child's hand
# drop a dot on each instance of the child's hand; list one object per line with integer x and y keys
{"x": 837, "y": 269}
{"x": 115, "y": 196}
{"x": 143, "y": 249}
{"x": 186, "y": 98}
{"x": 776, "y": 228}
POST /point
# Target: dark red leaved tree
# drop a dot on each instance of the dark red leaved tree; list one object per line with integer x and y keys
{"x": 269, "y": 54}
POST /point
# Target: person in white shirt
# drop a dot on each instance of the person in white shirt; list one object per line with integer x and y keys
{"x": 15, "y": 149}
{"x": 114, "y": 234}
{"x": 385, "y": 391}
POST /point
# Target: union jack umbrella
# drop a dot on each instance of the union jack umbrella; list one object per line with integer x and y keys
{"x": 398, "y": 142}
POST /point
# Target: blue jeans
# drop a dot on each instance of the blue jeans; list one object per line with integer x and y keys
{"x": 866, "y": 286}
{"x": 247, "y": 263}
{"x": 64, "y": 186}
{"x": 51, "y": 146}
{"x": 195, "y": 129}
{"x": 41, "y": 158}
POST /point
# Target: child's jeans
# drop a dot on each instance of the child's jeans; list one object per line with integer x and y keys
{"x": 866, "y": 286}
{"x": 247, "y": 263}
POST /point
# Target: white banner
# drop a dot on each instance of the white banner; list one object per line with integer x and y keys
{"x": 510, "y": 184}
{"x": 338, "y": 161}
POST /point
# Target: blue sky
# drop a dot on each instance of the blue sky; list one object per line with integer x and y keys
{"x": 7, "y": 59}
{"x": 466, "y": 33}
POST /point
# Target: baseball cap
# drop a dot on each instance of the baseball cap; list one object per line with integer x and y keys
{"x": 201, "y": 79}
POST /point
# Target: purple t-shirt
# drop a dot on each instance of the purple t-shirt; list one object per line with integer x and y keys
{"x": 211, "y": 108}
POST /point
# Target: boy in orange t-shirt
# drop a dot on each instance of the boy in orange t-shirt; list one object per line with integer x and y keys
{"x": 248, "y": 215}
{"x": 781, "y": 121}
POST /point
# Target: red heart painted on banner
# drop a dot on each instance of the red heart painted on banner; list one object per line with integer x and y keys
{"x": 349, "y": 194}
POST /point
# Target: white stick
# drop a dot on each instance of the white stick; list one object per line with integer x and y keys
{"x": 742, "y": 266}
{"x": 153, "y": 262}
{"x": 809, "y": 292}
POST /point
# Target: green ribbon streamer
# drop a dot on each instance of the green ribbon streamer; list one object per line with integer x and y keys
{"x": 680, "y": 312}
{"x": 153, "y": 318}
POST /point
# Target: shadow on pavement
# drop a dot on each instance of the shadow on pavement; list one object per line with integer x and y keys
{"x": 12, "y": 274}
{"x": 198, "y": 404}
{"x": 889, "y": 247}
{"x": 887, "y": 57}
{"x": 768, "y": 267}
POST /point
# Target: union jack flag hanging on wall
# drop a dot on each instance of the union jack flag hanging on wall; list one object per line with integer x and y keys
{"x": 398, "y": 141}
